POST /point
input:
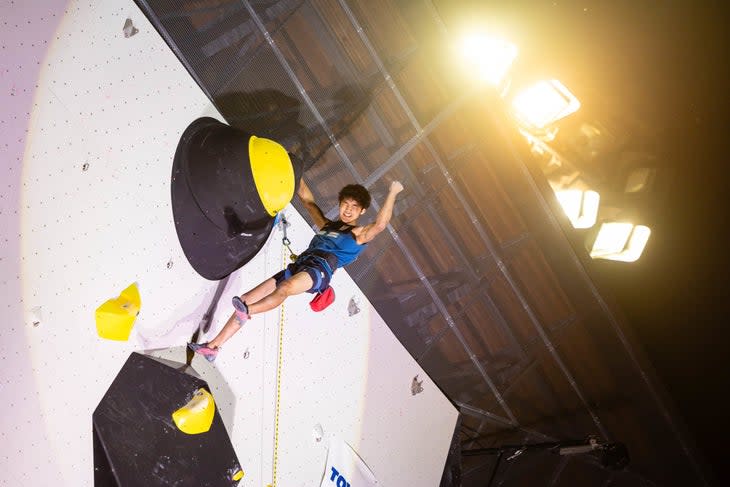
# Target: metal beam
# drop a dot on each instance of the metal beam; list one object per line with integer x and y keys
{"x": 501, "y": 421}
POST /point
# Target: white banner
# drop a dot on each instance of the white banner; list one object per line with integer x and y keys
{"x": 345, "y": 468}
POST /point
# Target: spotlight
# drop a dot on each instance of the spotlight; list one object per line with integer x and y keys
{"x": 489, "y": 58}
{"x": 544, "y": 103}
{"x": 620, "y": 241}
{"x": 580, "y": 206}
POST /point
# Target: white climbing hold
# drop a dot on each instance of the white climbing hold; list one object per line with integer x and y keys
{"x": 34, "y": 316}
{"x": 318, "y": 433}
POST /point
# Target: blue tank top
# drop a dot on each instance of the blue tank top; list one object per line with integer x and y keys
{"x": 336, "y": 238}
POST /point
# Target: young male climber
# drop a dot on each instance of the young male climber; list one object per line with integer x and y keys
{"x": 337, "y": 244}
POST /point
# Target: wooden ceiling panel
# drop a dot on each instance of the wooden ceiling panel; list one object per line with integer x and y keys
{"x": 539, "y": 285}
{"x": 485, "y": 335}
{"x": 343, "y": 32}
{"x": 513, "y": 312}
{"x": 384, "y": 26}
{"x": 490, "y": 200}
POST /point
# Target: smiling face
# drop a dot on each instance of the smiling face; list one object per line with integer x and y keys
{"x": 350, "y": 211}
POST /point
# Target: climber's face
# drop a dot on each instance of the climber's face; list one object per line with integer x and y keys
{"x": 350, "y": 211}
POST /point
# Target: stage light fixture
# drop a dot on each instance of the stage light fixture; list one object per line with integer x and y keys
{"x": 620, "y": 241}
{"x": 639, "y": 179}
{"x": 581, "y": 207}
{"x": 543, "y": 104}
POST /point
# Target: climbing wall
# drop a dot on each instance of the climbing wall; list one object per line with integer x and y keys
{"x": 94, "y": 104}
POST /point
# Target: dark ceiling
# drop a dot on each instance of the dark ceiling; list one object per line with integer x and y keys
{"x": 479, "y": 275}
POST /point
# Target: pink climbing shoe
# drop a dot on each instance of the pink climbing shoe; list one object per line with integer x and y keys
{"x": 241, "y": 309}
{"x": 203, "y": 349}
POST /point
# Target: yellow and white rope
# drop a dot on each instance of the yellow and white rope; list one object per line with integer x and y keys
{"x": 278, "y": 380}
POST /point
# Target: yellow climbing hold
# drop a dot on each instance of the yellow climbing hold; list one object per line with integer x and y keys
{"x": 115, "y": 318}
{"x": 197, "y": 415}
{"x": 272, "y": 172}
{"x": 237, "y": 476}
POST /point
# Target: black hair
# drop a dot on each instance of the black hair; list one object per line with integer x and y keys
{"x": 357, "y": 192}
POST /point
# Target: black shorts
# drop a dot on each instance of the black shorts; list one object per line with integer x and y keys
{"x": 316, "y": 267}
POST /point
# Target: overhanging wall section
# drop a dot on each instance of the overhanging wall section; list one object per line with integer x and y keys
{"x": 474, "y": 276}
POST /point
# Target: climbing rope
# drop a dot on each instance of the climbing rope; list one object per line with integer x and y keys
{"x": 280, "y": 358}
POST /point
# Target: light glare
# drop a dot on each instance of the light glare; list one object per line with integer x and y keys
{"x": 544, "y": 103}
{"x": 620, "y": 241}
{"x": 489, "y": 58}
{"x": 581, "y": 207}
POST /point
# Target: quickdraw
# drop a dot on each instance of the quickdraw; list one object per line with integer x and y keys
{"x": 285, "y": 240}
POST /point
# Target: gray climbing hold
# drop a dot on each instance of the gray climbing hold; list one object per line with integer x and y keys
{"x": 416, "y": 386}
{"x": 353, "y": 308}
{"x": 129, "y": 29}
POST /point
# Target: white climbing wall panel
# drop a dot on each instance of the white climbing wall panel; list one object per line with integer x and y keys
{"x": 89, "y": 125}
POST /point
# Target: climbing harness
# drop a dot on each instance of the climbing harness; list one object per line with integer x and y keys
{"x": 325, "y": 297}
